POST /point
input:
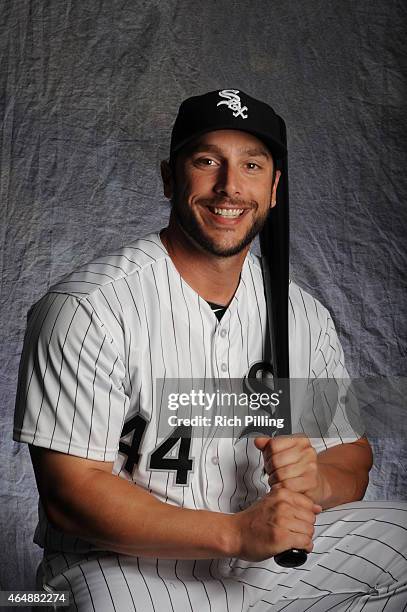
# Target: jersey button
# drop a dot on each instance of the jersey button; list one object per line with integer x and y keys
{"x": 224, "y": 367}
{"x": 223, "y": 333}
{"x": 215, "y": 460}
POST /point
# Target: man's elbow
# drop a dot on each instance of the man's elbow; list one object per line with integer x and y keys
{"x": 61, "y": 481}
{"x": 365, "y": 464}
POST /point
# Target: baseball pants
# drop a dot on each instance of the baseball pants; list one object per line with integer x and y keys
{"x": 359, "y": 562}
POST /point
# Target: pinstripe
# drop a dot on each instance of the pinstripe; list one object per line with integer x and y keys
{"x": 363, "y": 536}
{"x": 110, "y": 405}
{"x": 166, "y": 587}
{"x": 142, "y": 251}
{"x": 107, "y": 584}
{"x": 110, "y": 308}
{"x": 45, "y": 370}
{"x": 353, "y": 554}
{"x": 293, "y": 311}
{"x": 117, "y": 297}
{"x": 123, "y": 256}
{"x": 128, "y": 362}
{"x": 183, "y": 583}
{"x": 330, "y": 409}
{"x": 60, "y": 371}
{"x": 347, "y": 608}
{"x": 67, "y": 282}
{"x": 388, "y": 507}
{"x": 148, "y": 337}
{"x": 172, "y": 319}
{"x": 221, "y": 582}
{"x": 145, "y": 582}
{"x": 93, "y": 395}
{"x": 339, "y": 603}
{"x": 313, "y": 382}
{"x": 223, "y": 484}
{"x": 330, "y": 569}
{"x": 87, "y": 586}
{"x": 246, "y": 442}
{"x": 104, "y": 263}
{"x": 191, "y": 375}
{"x": 258, "y": 307}
{"x": 156, "y": 245}
{"x": 81, "y": 271}
{"x": 309, "y": 334}
{"x": 77, "y": 380}
{"x": 70, "y": 590}
{"x": 203, "y": 584}
{"x": 126, "y": 581}
{"x": 203, "y": 334}
{"x": 164, "y": 367}
{"x": 314, "y": 587}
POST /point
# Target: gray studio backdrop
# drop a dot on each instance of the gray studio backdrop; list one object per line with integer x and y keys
{"x": 89, "y": 90}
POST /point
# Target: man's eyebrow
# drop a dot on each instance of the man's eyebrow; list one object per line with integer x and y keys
{"x": 252, "y": 151}
{"x": 205, "y": 147}
{"x": 256, "y": 151}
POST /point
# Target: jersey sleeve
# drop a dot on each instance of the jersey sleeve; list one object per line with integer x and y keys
{"x": 334, "y": 416}
{"x": 70, "y": 394}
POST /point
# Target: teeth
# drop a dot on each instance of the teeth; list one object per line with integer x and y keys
{"x": 228, "y": 212}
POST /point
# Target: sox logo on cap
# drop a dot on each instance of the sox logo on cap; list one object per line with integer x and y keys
{"x": 233, "y": 102}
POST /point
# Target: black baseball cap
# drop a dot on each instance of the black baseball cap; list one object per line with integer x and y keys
{"x": 228, "y": 109}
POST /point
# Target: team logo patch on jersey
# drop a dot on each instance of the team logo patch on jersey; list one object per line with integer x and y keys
{"x": 233, "y": 102}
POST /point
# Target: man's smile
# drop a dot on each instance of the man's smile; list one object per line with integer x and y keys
{"x": 227, "y": 216}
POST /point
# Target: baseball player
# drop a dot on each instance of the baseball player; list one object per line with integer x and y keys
{"x": 130, "y": 520}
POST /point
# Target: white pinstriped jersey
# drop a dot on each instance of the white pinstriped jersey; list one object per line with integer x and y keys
{"x": 101, "y": 337}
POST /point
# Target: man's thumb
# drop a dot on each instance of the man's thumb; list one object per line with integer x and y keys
{"x": 261, "y": 443}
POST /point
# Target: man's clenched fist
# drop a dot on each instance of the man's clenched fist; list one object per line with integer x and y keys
{"x": 292, "y": 463}
{"x": 279, "y": 521}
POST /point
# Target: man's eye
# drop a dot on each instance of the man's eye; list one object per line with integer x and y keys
{"x": 205, "y": 161}
{"x": 252, "y": 166}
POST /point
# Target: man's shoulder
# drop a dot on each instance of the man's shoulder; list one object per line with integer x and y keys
{"x": 104, "y": 270}
{"x": 302, "y": 301}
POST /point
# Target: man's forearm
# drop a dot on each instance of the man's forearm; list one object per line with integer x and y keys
{"x": 338, "y": 482}
{"x": 117, "y": 515}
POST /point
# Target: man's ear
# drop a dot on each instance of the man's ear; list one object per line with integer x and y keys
{"x": 166, "y": 175}
{"x": 274, "y": 189}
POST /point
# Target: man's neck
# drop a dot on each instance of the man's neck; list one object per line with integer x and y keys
{"x": 214, "y": 278}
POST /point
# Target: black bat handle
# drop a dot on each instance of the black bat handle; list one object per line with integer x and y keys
{"x": 291, "y": 558}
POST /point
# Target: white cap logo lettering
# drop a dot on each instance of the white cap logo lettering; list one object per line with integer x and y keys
{"x": 233, "y": 102}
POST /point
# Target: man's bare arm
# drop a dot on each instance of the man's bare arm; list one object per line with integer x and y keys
{"x": 83, "y": 498}
{"x": 344, "y": 473}
{"x": 337, "y": 475}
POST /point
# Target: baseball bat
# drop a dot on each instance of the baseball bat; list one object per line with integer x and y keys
{"x": 274, "y": 246}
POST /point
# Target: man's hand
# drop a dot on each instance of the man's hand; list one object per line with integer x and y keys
{"x": 279, "y": 521}
{"x": 292, "y": 463}
{"x": 337, "y": 475}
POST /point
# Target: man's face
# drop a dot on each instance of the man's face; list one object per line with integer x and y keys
{"x": 222, "y": 190}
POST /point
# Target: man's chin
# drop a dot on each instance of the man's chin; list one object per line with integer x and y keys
{"x": 220, "y": 249}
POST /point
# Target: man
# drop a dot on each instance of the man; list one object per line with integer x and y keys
{"x": 131, "y": 522}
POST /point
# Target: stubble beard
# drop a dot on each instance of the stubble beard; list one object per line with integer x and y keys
{"x": 189, "y": 224}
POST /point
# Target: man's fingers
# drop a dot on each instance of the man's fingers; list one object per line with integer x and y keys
{"x": 306, "y": 515}
{"x": 295, "y": 470}
{"x": 297, "y": 500}
{"x": 271, "y": 447}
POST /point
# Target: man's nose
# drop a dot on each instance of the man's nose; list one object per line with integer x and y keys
{"x": 228, "y": 181}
